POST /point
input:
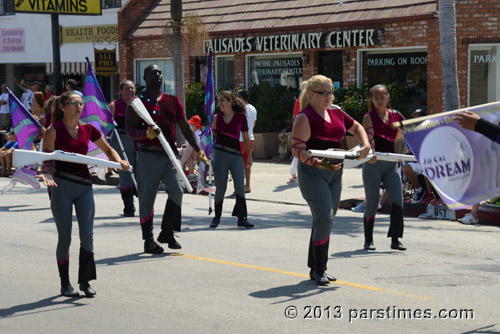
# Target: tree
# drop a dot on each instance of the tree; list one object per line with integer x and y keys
{"x": 448, "y": 43}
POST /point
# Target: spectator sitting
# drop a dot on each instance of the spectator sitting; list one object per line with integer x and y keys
{"x": 189, "y": 155}
{"x": 285, "y": 145}
{"x": 6, "y": 154}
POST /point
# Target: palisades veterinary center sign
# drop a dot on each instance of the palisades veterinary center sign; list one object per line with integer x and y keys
{"x": 299, "y": 41}
{"x": 68, "y": 7}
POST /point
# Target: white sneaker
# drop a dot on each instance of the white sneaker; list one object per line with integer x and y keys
{"x": 359, "y": 208}
{"x": 468, "y": 219}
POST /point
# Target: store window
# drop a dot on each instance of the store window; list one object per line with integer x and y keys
{"x": 111, "y": 4}
{"x": 484, "y": 74}
{"x": 225, "y": 73}
{"x": 277, "y": 70}
{"x": 165, "y": 65}
{"x": 7, "y": 7}
{"x": 405, "y": 66}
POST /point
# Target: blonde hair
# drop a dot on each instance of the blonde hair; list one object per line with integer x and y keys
{"x": 313, "y": 84}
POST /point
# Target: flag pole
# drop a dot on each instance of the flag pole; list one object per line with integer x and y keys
{"x": 210, "y": 188}
{"x": 125, "y": 156}
{"x": 407, "y": 122}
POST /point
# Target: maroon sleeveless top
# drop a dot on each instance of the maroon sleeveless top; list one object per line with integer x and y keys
{"x": 326, "y": 135}
{"x": 384, "y": 135}
{"x": 228, "y": 135}
{"x": 65, "y": 142}
{"x": 120, "y": 112}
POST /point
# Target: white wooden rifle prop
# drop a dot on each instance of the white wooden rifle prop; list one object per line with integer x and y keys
{"x": 350, "y": 156}
{"x": 115, "y": 133}
{"x": 141, "y": 110}
{"x": 22, "y": 158}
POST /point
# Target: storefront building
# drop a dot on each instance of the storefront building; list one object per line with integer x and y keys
{"x": 26, "y": 46}
{"x": 285, "y": 42}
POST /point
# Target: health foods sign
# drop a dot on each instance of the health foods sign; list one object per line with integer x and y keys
{"x": 85, "y": 34}
{"x": 288, "y": 42}
{"x": 68, "y": 7}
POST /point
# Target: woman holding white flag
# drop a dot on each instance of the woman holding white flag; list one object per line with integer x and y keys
{"x": 321, "y": 126}
{"x": 377, "y": 123}
{"x": 72, "y": 185}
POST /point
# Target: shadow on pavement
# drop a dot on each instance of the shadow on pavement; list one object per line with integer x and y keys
{"x": 132, "y": 258}
{"x": 51, "y": 303}
{"x": 303, "y": 289}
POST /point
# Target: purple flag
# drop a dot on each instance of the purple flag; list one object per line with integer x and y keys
{"x": 97, "y": 113}
{"x": 206, "y": 141}
{"x": 27, "y": 129}
{"x": 462, "y": 165}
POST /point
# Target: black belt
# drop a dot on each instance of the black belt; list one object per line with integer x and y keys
{"x": 227, "y": 149}
{"x": 73, "y": 178}
{"x": 149, "y": 148}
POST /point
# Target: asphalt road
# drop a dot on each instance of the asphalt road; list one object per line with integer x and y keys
{"x": 232, "y": 280}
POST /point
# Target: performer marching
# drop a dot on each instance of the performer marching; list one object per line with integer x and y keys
{"x": 377, "y": 123}
{"x": 227, "y": 126}
{"x": 153, "y": 164}
{"x": 118, "y": 108}
{"x": 319, "y": 126}
{"x": 71, "y": 184}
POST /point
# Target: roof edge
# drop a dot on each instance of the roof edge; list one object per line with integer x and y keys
{"x": 308, "y": 26}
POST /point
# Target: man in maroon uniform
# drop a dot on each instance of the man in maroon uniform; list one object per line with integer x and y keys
{"x": 153, "y": 164}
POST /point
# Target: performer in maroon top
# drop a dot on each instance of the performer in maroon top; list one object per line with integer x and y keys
{"x": 320, "y": 126}
{"x": 377, "y": 123}
{"x": 119, "y": 108}
{"x": 72, "y": 186}
{"x": 227, "y": 127}
{"x": 153, "y": 163}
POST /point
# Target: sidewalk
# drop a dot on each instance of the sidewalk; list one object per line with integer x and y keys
{"x": 270, "y": 183}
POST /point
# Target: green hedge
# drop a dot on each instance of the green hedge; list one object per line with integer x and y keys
{"x": 275, "y": 104}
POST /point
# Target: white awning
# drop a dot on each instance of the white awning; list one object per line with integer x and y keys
{"x": 69, "y": 68}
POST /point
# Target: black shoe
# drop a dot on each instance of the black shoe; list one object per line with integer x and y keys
{"x": 369, "y": 246}
{"x": 244, "y": 222}
{"x": 329, "y": 277}
{"x": 321, "y": 279}
{"x": 151, "y": 247}
{"x": 167, "y": 237}
{"x": 87, "y": 290}
{"x": 128, "y": 213}
{"x": 215, "y": 222}
{"x": 69, "y": 291}
{"x": 398, "y": 245}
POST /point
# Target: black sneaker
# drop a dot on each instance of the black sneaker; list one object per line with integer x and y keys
{"x": 167, "y": 237}
{"x": 244, "y": 222}
{"x": 151, "y": 247}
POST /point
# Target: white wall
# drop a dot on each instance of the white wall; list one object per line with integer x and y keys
{"x": 38, "y": 37}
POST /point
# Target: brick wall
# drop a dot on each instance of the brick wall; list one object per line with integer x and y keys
{"x": 477, "y": 22}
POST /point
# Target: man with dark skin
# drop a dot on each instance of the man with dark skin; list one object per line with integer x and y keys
{"x": 153, "y": 163}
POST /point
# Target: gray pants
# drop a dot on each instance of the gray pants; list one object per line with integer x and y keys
{"x": 128, "y": 144}
{"x": 64, "y": 196}
{"x": 151, "y": 168}
{"x": 321, "y": 189}
{"x": 385, "y": 172}
{"x": 223, "y": 163}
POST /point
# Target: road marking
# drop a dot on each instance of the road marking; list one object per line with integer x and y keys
{"x": 290, "y": 273}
